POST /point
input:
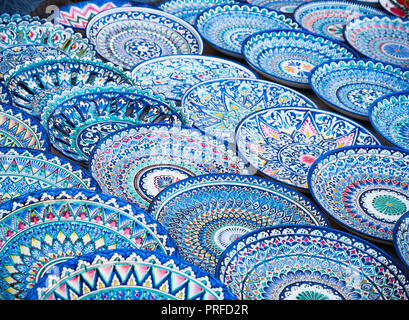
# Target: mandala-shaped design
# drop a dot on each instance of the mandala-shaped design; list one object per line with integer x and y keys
{"x": 282, "y": 143}
{"x": 310, "y": 263}
{"x": 43, "y": 228}
{"x": 399, "y": 8}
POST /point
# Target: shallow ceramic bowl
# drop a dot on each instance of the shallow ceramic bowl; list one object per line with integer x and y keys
{"x": 288, "y": 56}
{"x": 128, "y": 275}
{"x": 399, "y": 8}
{"x": 217, "y": 106}
{"x": 226, "y": 26}
{"x": 401, "y": 239}
{"x": 204, "y": 214}
{"x": 382, "y": 38}
{"x": 128, "y": 35}
{"x": 283, "y": 142}
{"x": 364, "y": 188}
{"x": 43, "y": 228}
{"x": 310, "y": 263}
{"x": 78, "y": 119}
{"x": 138, "y": 162}
{"x": 350, "y": 86}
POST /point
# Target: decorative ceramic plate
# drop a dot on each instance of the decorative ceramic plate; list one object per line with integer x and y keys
{"x": 19, "y": 129}
{"x": 382, "y": 38}
{"x": 284, "y": 6}
{"x": 226, "y": 26}
{"x": 33, "y": 84}
{"x": 43, "y": 228}
{"x": 364, "y": 188}
{"x": 6, "y": 18}
{"x": 398, "y": 8}
{"x": 78, "y": 119}
{"x": 138, "y": 162}
{"x": 128, "y": 35}
{"x": 283, "y": 142}
{"x": 217, "y": 106}
{"x": 400, "y": 239}
{"x": 128, "y": 275}
{"x": 204, "y": 214}
{"x": 173, "y": 75}
{"x": 188, "y": 10}
{"x": 288, "y": 56}
{"x": 24, "y": 41}
{"x": 350, "y": 86}
{"x": 328, "y": 18}
{"x": 310, "y": 263}
{"x": 23, "y": 171}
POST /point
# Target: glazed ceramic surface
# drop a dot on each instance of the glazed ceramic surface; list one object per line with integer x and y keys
{"x": 188, "y": 10}
{"x": 401, "y": 239}
{"x": 284, "y": 6}
{"x": 44, "y": 228}
{"x": 226, "y": 26}
{"x": 351, "y": 86}
{"x": 382, "y": 38}
{"x": 128, "y": 275}
{"x": 217, "y": 106}
{"x": 288, "y": 56}
{"x": 310, "y": 263}
{"x": 137, "y": 163}
{"x": 19, "y": 129}
{"x": 78, "y": 119}
{"x": 127, "y": 36}
{"x": 23, "y": 171}
{"x": 399, "y": 8}
{"x": 34, "y": 84}
{"x": 363, "y": 188}
{"x": 282, "y": 143}
{"x": 389, "y": 116}
{"x": 6, "y": 18}
{"x": 328, "y": 18}
{"x": 204, "y": 214}
{"x": 173, "y": 75}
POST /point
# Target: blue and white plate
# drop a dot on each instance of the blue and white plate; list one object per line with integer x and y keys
{"x": 226, "y": 26}
{"x": 5, "y": 97}
{"x": 382, "y": 38}
{"x": 204, "y": 214}
{"x": 43, "y": 228}
{"x": 350, "y": 86}
{"x": 217, "y": 106}
{"x": 310, "y": 263}
{"x": 173, "y": 75}
{"x": 288, "y": 56}
{"x": 283, "y": 142}
{"x": 401, "y": 239}
{"x": 328, "y": 18}
{"x": 128, "y": 274}
{"x": 128, "y": 35}
{"x": 364, "y": 188}
{"x": 284, "y": 6}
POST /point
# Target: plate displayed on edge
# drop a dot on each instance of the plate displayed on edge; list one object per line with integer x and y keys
{"x": 43, "y": 228}
{"x": 364, "y": 188}
{"x": 204, "y": 214}
{"x": 173, "y": 75}
{"x": 288, "y": 56}
{"x": 128, "y": 35}
{"x": 401, "y": 239}
{"x": 217, "y": 106}
{"x": 310, "y": 263}
{"x": 399, "y": 8}
{"x": 350, "y": 86}
{"x": 283, "y": 142}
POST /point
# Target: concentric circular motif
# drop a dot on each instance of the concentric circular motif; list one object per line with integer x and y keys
{"x": 401, "y": 238}
{"x": 283, "y": 142}
{"x": 41, "y": 229}
{"x": 288, "y": 56}
{"x": 78, "y": 119}
{"x": 284, "y": 6}
{"x": 310, "y": 263}
{"x": 352, "y": 85}
{"x": 328, "y": 18}
{"x": 389, "y": 116}
{"x": 217, "y": 106}
{"x": 204, "y": 214}
{"x": 128, "y": 275}
{"x": 128, "y": 35}
{"x": 226, "y": 26}
{"x": 383, "y": 38}
{"x": 363, "y": 188}
{"x": 399, "y": 8}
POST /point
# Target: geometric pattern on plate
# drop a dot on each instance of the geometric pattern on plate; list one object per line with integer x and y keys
{"x": 401, "y": 239}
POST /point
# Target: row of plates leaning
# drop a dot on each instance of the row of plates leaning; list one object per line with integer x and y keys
{"x": 133, "y": 166}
